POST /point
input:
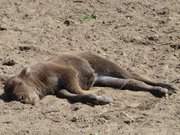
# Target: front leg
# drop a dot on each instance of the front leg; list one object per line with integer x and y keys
{"x": 89, "y": 98}
{"x": 72, "y": 82}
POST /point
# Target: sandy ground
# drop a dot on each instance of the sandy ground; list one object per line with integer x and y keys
{"x": 143, "y": 35}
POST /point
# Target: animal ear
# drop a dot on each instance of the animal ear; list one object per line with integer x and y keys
{"x": 25, "y": 72}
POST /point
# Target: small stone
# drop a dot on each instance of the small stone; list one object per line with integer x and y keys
{"x": 127, "y": 121}
{"x": 67, "y": 22}
{"x": 152, "y": 38}
{"x": 2, "y": 28}
{"x": 9, "y": 62}
{"x": 175, "y": 46}
{"x": 74, "y": 119}
{"x": 24, "y": 48}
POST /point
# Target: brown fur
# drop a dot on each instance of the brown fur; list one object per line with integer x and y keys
{"x": 71, "y": 77}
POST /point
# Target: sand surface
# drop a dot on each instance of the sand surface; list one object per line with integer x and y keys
{"x": 143, "y": 35}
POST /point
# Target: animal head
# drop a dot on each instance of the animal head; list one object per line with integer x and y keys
{"x": 18, "y": 88}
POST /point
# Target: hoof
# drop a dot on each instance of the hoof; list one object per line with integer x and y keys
{"x": 102, "y": 100}
{"x": 159, "y": 91}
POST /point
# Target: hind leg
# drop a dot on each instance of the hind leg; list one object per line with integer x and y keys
{"x": 104, "y": 67}
{"x": 117, "y": 72}
{"x": 130, "y": 84}
{"x": 120, "y": 73}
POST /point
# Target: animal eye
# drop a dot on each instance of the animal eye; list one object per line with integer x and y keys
{"x": 20, "y": 83}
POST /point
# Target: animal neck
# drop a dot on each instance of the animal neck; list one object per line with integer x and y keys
{"x": 38, "y": 85}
